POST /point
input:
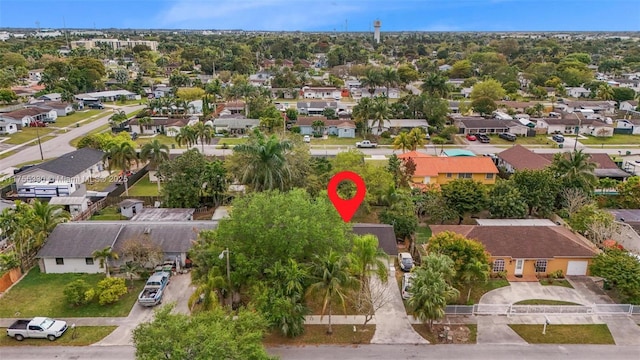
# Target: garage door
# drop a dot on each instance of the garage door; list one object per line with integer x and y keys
{"x": 577, "y": 268}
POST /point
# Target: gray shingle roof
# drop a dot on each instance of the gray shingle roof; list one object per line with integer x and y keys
{"x": 384, "y": 233}
{"x": 71, "y": 164}
{"x": 81, "y": 239}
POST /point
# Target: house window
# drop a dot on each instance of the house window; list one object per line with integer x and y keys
{"x": 541, "y": 266}
{"x": 88, "y": 261}
{"x": 449, "y": 175}
{"x": 498, "y": 265}
{"x": 59, "y": 261}
{"x": 489, "y": 176}
{"x": 464, "y": 176}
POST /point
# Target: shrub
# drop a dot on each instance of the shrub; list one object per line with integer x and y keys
{"x": 385, "y": 135}
{"x": 89, "y": 295}
{"x": 110, "y": 290}
{"x": 74, "y": 292}
{"x": 556, "y": 274}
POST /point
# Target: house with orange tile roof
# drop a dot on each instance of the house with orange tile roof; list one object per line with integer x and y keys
{"x": 441, "y": 170}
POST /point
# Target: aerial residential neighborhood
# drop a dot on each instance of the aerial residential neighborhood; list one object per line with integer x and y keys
{"x": 175, "y": 182}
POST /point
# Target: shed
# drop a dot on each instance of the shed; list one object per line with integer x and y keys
{"x": 130, "y": 207}
{"x": 75, "y": 205}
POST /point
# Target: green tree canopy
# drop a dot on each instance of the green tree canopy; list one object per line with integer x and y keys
{"x": 621, "y": 270}
{"x": 460, "y": 250}
{"x": 465, "y": 196}
{"x": 506, "y": 201}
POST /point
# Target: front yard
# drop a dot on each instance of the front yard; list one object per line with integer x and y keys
{"x": 27, "y": 134}
{"x": 84, "y": 336}
{"x": 616, "y": 139}
{"x": 522, "y": 140}
{"x": 64, "y": 121}
{"x": 317, "y": 335}
{"x": 460, "y": 334}
{"x": 565, "y": 334}
{"x": 163, "y": 139}
{"x": 40, "y": 294}
{"x": 100, "y": 129}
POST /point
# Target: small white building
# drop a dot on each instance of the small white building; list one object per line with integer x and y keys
{"x": 8, "y": 128}
{"x": 75, "y": 205}
{"x": 629, "y": 105}
{"x": 322, "y": 93}
{"x": 130, "y": 207}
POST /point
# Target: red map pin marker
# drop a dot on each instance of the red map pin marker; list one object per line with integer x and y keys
{"x": 346, "y": 208}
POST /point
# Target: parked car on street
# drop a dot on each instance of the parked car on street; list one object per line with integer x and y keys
{"x": 558, "y": 138}
{"x": 406, "y": 284}
{"x": 366, "y": 144}
{"x": 471, "y": 137}
{"x": 95, "y": 106}
{"x": 405, "y": 261}
{"x": 38, "y": 327}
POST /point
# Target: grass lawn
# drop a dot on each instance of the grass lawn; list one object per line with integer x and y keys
{"x": 555, "y": 282}
{"x": 565, "y": 334}
{"x": 423, "y": 233}
{"x": 144, "y": 187}
{"x": 7, "y": 154}
{"x": 616, "y": 139}
{"x": 522, "y": 140}
{"x": 63, "y": 121}
{"x": 231, "y": 141}
{"x": 477, "y": 290}
{"x": 461, "y": 334}
{"x": 100, "y": 129}
{"x": 544, "y": 302}
{"x": 315, "y": 305}
{"x": 376, "y": 162}
{"x": 317, "y": 334}
{"x": 164, "y": 139}
{"x": 40, "y": 294}
{"x": 33, "y": 162}
{"x": 85, "y": 335}
{"x": 108, "y": 213}
{"x": 126, "y": 102}
{"x": 27, "y": 134}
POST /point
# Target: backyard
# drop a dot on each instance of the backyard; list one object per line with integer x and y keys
{"x": 108, "y": 213}
{"x": 144, "y": 187}
{"x": 40, "y": 294}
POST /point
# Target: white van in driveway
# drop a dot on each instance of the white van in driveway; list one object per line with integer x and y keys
{"x": 406, "y": 283}
{"x": 306, "y": 139}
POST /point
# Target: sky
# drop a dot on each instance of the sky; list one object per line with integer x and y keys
{"x": 327, "y": 15}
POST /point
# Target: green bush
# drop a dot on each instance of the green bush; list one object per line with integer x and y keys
{"x": 556, "y": 274}
{"x": 89, "y": 295}
{"x": 110, "y": 290}
{"x": 385, "y": 135}
{"x": 74, "y": 292}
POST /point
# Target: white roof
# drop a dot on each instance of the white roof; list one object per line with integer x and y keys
{"x": 67, "y": 200}
{"x": 109, "y": 93}
{"x": 515, "y": 222}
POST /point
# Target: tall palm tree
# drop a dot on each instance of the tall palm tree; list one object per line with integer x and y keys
{"x": 417, "y": 137}
{"x": 365, "y": 260}
{"x": 144, "y": 121}
{"x": 435, "y": 85}
{"x": 103, "y": 256}
{"x": 362, "y": 113}
{"x": 402, "y": 141}
{"x": 474, "y": 271}
{"x": 332, "y": 280}
{"x": 186, "y": 136}
{"x": 576, "y": 169}
{"x": 204, "y": 133}
{"x": 605, "y": 92}
{"x": 389, "y": 78}
{"x": 267, "y": 166}
{"x": 48, "y": 216}
{"x": 117, "y": 118}
{"x": 121, "y": 156}
{"x": 379, "y": 113}
{"x": 371, "y": 80}
{"x": 156, "y": 153}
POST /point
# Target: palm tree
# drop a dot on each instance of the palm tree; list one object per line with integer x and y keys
{"x": 121, "y": 156}
{"x": 131, "y": 269}
{"x": 103, "y": 256}
{"x": 605, "y": 92}
{"x": 474, "y": 271}
{"x": 318, "y": 128}
{"x": 416, "y": 138}
{"x": 389, "y": 78}
{"x": 47, "y": 217}
{"x": 362, "y": 113}
{"x": 267, "y": 166}
{"x": 186, "y": 136}
{"x": 143, "y": 122}
{"x": 365, "y": 260}
{"x": 204, "y": 133}
{"x": 435, "y": 85}
{"x": 156, "y": 153}
{"x": 576, "y": 170}
{"x": 371, "y": 80}
{"x": 402, "y": 141}
{"x": 332, "y": 280}
{"x": 380, "y": 113}
{"x": 117, "y": 118}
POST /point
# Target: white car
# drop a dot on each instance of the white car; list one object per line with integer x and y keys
{"x": 306, "y": 139}
{"x": 406, "y": 283}
{"x": 405, "y": 261}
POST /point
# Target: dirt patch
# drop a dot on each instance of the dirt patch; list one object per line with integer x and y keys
{"x": 447, "y": 334}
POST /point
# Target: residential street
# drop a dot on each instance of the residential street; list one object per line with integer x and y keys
{"x": 58, "y": 145}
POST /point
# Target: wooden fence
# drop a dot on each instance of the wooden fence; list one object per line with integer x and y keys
{"x": 96, "y": 206}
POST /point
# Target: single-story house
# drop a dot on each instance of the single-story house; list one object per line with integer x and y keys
{"x": 398, "y": 125}
{"x": 604, "y": 107}
{"x": 111, "y": 95}
{"x": 158, "y": 125}
{"x": 633, "y": 124}
{"x": 340, "y": 128}
{"x": 321, "y": 93}
{"x": 8, "y": 128}
{"x": 75, "y": 205}
{"x": 235, "y": 125}
{"x": 130, "y": 207}
{"x": 518, "y": 157}
{"x": 61, "y": 176}
{"x": 476, "y": 124}
{"x": 441, "y": 170}
{"x": 384, "y": 232}
{"x": 578, "y": 92}
{"x": 394, "y": 93}
{"x": 70, "y": 246}
{"x": 315, "y": 107}
{"x": 284, "y": 93}
{"x": 629, "y": 105}
{"x": 527, "y": 251}
{"x": 163, "y": 214}
{"x": 24, "y": 117}
{"x": 235, "y": 107}
{"x": 51, "y": 97}
{"x": 569, "y": 124}
{"x": 61, "y": 108}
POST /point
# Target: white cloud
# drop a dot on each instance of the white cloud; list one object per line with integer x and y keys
{"x": 257, "y": 14}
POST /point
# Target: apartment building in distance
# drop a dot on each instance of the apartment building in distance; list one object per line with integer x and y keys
{"x": 114, "y": 43}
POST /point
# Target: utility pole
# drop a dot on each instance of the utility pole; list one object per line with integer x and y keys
{"x": 39, "y": 143}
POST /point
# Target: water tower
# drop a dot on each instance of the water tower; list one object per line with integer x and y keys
{"x": 376, "y": 32}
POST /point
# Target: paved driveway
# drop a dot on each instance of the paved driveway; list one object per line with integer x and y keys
{"x": 519, "y": 291}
